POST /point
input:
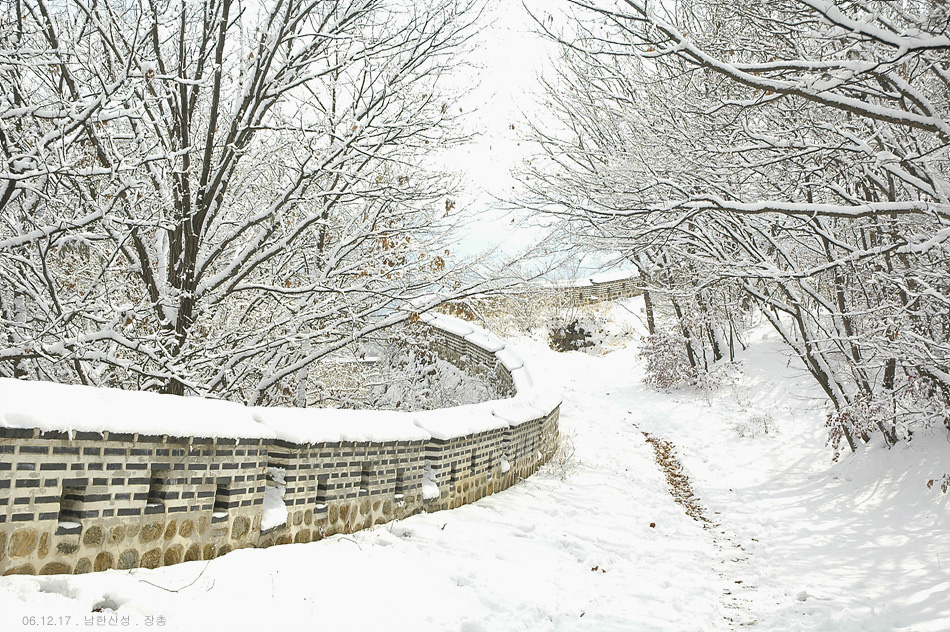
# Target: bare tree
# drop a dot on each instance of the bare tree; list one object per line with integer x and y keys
{"x": 207, "y": 196}
{"x": 790, "y": 155}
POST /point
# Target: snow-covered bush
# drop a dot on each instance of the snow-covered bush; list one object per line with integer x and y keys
{"x": 707, "y": 380}
{"x": 666, "y": 364}
{"x": 756, "y": 425}
{"x": 915, "y": 403}
{"x": 535, "y": 309}
{"x": 563, "y": 461}
{"x": 570, "y": 337}
{"x": 943, "y": 483}
{"x": 542, "y": 312}
{"x": 578, "y": 328}
{"x": 861, "y": 418}
{"x": 517, "y": 313}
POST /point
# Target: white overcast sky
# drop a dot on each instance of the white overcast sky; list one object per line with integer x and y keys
{"x": 502, "y": 88}
{"x": 502, "y": 83}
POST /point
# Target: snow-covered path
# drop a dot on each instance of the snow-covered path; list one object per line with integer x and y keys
{"x": 801, "y": 544}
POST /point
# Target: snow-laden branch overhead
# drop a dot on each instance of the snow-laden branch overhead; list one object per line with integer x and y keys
{"x": 782, "y": 159}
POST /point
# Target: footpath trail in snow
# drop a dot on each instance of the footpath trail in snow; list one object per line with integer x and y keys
{"x": 597, "y": 541}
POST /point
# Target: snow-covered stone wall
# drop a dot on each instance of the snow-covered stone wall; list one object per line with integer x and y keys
{"x": 602, "y": 287}
{"x": 95, "y": 479}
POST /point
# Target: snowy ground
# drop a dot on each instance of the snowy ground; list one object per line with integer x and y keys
{"x": 800, "y": 543}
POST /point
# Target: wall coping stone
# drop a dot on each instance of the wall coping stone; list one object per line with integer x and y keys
{"x": 58, "y": 411}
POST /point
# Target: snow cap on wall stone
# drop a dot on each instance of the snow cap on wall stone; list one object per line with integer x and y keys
{"x": 517, "y": 410}
{"x": 521, "y": 378}
{"x": 613, "y": 275}
{"x": 332, "y": 425}
{"x": 543, "y": 400}
{"x": 447, "y": 323}
{"x": 486, "y": 340}
{"x": 58, "y": 407}
{"x": 448, "y": 423}
{"x": 595, "y": 279}
{"x": 71, "y": 408}
{"x": 509, "y": 359}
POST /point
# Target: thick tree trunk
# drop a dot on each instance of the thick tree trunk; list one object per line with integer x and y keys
{"x": 690, "y": 352}
{"x": 648, "y": 306}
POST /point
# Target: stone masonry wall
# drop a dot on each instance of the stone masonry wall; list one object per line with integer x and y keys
{"x": 344, "y": 487}
{"x": 98, "y": 501}
{"x": 101, "y": 501}
{"x": 604, "y": 291}
{"x": 476, "y": 358}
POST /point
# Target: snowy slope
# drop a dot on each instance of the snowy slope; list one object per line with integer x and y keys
{"x": 801, "y": 543}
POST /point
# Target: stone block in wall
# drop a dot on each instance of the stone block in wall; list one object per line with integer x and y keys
{"x": 111, "y": 500}
{"x": 548, "y": 438}
{"x": 465, "y": 468}
{"x": 523, "y": 442}
{"x": 341, "y": 487}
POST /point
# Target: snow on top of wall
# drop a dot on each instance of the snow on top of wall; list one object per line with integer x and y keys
{"x": 522, "y": 379}
{"x": 597, "y": 278}
{"x": 486, "y": 340}
{"x": 560, "y": 284}
{"x": 58, "y": 407}
{"x": 614, "y": 275}
{"x": 544, "y": 399}
{"x": 448, "y": 423}
{"x": 64, "y": 407}
{"x": 517, "y": 410}
{"x": 331, "y": 425}
{"x": 450, "y": 324}
{"x": 529, "y": 404}
{"x": 509, "y": 359}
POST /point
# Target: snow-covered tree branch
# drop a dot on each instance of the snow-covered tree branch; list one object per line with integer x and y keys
{"x": 790, "y": 155}
{"x": 207, "y": 196}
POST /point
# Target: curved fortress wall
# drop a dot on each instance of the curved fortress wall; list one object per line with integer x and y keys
{"x": 88, "y": 493}
{"x": 594, "y": 290}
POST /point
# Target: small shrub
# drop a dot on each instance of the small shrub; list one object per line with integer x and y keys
{"x": 943, "y": 483}
{"x": 915, "y": 403}
{"x": 706, "y": 380}
{"x": 860, "y": 418}
{"x": 564, "y": 460}
{"x": 667, "y": 366}
{"x": 756, "y": 425}
{"x": 571, "y": 337}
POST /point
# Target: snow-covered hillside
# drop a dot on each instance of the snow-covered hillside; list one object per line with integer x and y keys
{"x": 787, "y": 539}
